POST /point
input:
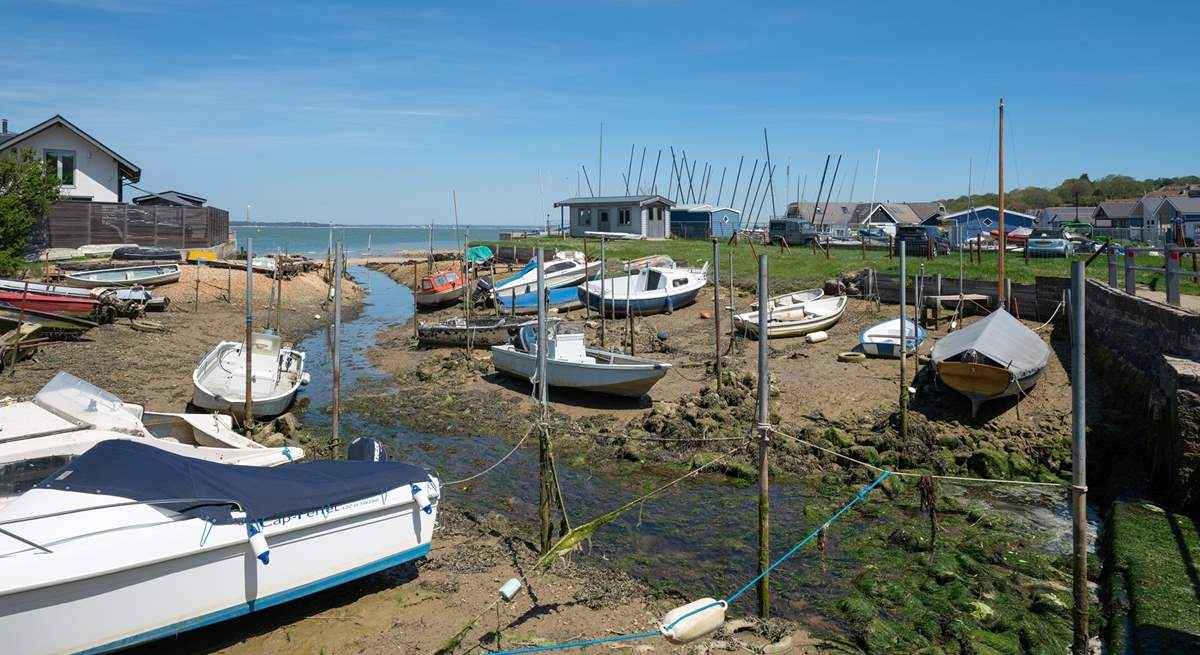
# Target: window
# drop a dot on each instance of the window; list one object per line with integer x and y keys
{"x": 623, "y": 217}
{"x": 62, "y": 164}
{"x": 603, "y": 216}
{"x": 987, "y": 222}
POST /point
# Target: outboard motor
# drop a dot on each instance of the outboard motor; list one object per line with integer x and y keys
{"x": 483, "y": 289}
{"x": 366, "y": 449}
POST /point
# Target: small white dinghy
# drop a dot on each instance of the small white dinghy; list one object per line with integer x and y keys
{"x": 795, "y": 320}
{"x": 883, "y": 339}
{"x": 128, "y": 543}
{"x": 128, "y": 276}
{"x": 219, "y": 381}
{"x": 787, "y": 300}
{"x": 570, "y": 364}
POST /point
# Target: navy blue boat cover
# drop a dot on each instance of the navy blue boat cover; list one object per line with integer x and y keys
{"x": 139, "y": 472}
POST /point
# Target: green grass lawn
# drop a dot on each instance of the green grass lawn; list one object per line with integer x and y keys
{"x": 801, "y": 268}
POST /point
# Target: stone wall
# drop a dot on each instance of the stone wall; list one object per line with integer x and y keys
{"x": 1143, "y": 356}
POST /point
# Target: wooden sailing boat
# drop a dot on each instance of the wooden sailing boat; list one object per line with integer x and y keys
{"x": 997, "y": 356}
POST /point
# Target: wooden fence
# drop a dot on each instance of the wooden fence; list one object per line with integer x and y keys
{"x": 74, "y": 224}
{"x": 1035, "y": 302}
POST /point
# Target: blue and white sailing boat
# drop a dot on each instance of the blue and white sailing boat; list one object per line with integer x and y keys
{"x": 652, "y": 290}
{"x": 567, "y": 268}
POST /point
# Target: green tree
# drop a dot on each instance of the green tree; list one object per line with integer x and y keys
{"x": 27, "y": 190}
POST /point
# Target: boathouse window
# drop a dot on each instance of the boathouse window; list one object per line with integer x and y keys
{"x": 987, "y": 222}
{"x": 62, "y": 164}
{"x": 603, "y": 216}
{"x": 623, "y": 217}
{"x": 585, "y": 217}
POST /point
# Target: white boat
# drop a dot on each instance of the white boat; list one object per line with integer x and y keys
{"x": 125, "y": 294}
{"x": 883, "y": 339}
{"x": 994, "y": 357}
{"x": 795, "y": 320}
{"x": 570, "y": 364}
{"x": 68, "y": 416}
{"x": 614, "y": 236}
{"x": 786, "y": 300}
{"x": 128, "y": 544}
{"x": 566, "y": 268}
{"x": 219, "y": 381}
{"x": 145, "y": 276}
{"x": 652, "y": 290}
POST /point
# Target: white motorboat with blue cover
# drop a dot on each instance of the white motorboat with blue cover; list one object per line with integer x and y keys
{"x": 128, "y": 543}
{"x": 566, "y": 268}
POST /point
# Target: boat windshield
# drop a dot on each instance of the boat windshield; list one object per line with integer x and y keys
{"x": 68, "y": 396}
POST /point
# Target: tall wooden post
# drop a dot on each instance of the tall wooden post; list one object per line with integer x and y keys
{"x": 196, "y": 297}
{"x": 764, "y": 434}
{"x": 416, "y": 285}
{"x": 903, "y": 345}
{"x": 249, "y": 343}
{"x": 545, "y": 492}
{"x": 1079, "y": 613}
{"x": 587, "y": 308}
{"x": 628, "y": 305}
{"x": 716, "y": 247}
{"x": 339, "y": 261}
{"x": 603, "y": 294}
{"x": 278, "y": 289}
{"x": 1003, "y": 235}
{"x": 466, "y": 282}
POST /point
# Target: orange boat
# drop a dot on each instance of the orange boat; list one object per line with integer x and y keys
{"x": 439, "y": 287}
{"x": 1016, "y": 236}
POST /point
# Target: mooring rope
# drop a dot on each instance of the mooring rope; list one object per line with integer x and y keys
{"x": 577, "y": 644}
{"x": 498, "y": 462}
{"x": 914, "y": 475}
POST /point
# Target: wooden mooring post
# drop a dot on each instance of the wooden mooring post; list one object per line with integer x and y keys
{"x": 1079, "y": 613}
{"x": 196, "y": 298}
{"x": 339, "y": 261}
{"x": 903, "y": 346}
{"x": 545, "y": 492}
{"x": 716, "y": 248}
{"x": 603, "y": 287}
{"x": 764, "y": 444}
{"x": 415, "y": 286}
{"x": 249, "y": 343}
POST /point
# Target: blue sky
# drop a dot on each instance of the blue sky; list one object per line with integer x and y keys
{"x": 371, "y": 113}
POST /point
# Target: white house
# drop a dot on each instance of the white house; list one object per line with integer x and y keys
{"x": 646, "y": 216}
{"x": 89, "y": 169}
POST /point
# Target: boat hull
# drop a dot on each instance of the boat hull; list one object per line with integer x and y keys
{"x": 434, "y": 298}
{"x": 79, "y": 307}
{"x": 230, "y": 396}
{"x": 490, "y": 333}
{"x": 983, "y": 382}
{"x": 663, "y": 304}
{"x": 777, "y": 328}
{"x": 874, "y": 344}
{"x": 146, "y": 276}
{"x": 561, "y": 299}
{"x": 629, "y": 381}
{"x": 212, "y": 577}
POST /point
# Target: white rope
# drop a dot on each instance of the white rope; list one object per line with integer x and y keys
{"x": 1052, "y": 315}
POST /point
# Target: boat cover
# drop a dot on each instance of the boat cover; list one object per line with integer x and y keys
{"x": 1002, "y": 339}
{"x": 479, "y": 254}
{"x": 139, "y": 472}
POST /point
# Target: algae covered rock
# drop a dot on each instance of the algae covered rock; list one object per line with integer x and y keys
{"x": 989, "y": 463}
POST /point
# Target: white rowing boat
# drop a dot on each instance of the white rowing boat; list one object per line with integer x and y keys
{"x": 795, "y": 320}
{"x": 219, "y": 381}
{"x": 883, "y": 339}
{"x": 127, "y": 543}
{"x": 145, "y": 276}
{"x": 786, "y": 300}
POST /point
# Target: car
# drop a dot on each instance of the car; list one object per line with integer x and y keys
{"x": 1049, "y": 242}
{"x": 796, "y": 232}
{"x": 918, "y": 237}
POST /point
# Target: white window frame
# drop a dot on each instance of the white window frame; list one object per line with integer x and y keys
{"x": 58, "y": 154}
{"x": 624, "y": 217}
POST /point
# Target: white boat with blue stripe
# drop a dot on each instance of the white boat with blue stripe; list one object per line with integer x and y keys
{"x": 566, "y": 268}
{"x": 883, "y": 339}
{"x": 652, "y": 290}
{"x": 129, "y": 543}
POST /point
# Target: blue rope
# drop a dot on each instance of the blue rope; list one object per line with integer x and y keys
{"x": 578, "y": 644}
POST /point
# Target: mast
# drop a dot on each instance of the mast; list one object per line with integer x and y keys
{"x": 1003, "y": 235}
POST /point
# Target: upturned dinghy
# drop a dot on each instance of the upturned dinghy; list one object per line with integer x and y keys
{"x": 566, "y": 268}
{"x": 438, "y": 288}
{"x": 146, "y": 276}
{"x": 572, "y": 365}
{"x": 795, "y": 320}
{"x": 129, "y": 543}
{"x": 994, "y": 357}
{"x": 483, "y": 332}
{"x": 652, "y": 290}
{"x": 69, "y": 416}
{"x": 219, "y": 381}
{"x": 883, "y": 339}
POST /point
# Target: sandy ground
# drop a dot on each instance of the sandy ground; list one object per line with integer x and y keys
{"x": 155, "y": 368}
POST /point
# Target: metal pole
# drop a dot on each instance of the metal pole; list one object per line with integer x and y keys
{"x": 1112, "y": 266}
{"x": 278, "y": 288}
{"x": 717, "y": 310}
{"x": 339, "y": 261}
{"x": 1172, "y": 274}
{"x": 903, "y": 343}
{"x": 247, "y": 346}
{"x": 732, "y": 298}
{"x": 587, "y": 307}
{"x": 544, "y": 472}
{"x": 764, "y": 433}
{"x": 415, "y": 286}
{"x": 1079, "y": 614}
{"x": 628, "y": 308}
{"x": 603, "y": 287}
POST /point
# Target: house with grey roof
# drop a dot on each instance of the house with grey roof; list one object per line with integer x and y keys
{"x": 1181, "y": 210}
{"x": 1056, "y": 216}
{"x": 1113, "y": 213}
{"x": 648, "y": 216}
{"x": 170, "y": 199}
{"x": 88, "y": 169}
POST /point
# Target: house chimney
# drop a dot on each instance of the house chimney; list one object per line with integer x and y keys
{"x": 3, "y": 126}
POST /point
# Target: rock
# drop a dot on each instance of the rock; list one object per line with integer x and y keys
{"x": 839, "y": 437}
{"x": 274, "y": 440}
{"x": 287, "y": 424}
{"x": 988, "y": 463}
{"x": 981, "y": 611}
{"x": 834, "y": 287}
{"x": 1048, "y": 603}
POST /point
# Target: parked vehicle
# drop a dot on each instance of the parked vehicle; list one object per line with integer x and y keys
{"x": 917, "y": 237}
{"x": 1050, "y": 242}
{"x": 796, "y": 232}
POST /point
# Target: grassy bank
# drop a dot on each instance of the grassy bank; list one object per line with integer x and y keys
{"x": 1154, "y": 580}
{"x": 801, "y": 267}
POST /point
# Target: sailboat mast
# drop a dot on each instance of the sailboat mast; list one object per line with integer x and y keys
{"x": 1003, "y": 235}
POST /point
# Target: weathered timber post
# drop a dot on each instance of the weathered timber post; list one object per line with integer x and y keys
{"x": 716, "y": 247}
{"x": 764, "y": 434}
{"x": 903, "y": 345}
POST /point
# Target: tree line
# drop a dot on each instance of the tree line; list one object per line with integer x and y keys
{"x": 1082, "y": 191}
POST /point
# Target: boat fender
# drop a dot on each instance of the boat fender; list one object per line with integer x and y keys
{"x": 816, "y": 337}
{"x": 692, "y": 621}
{"x": 421, "y": 498}
{"x": 305, "y": 378}
{"x": 258, "y": 544}
{"x": 510, "y": 589}
{"x": 851, "y": 356}
{"x": 670, "y": 306}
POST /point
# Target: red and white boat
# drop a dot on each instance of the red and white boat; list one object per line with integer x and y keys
{"x": 52, "y": 304}
{"x": 438, "y": 288}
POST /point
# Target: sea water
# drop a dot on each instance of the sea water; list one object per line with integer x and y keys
{"x": 382, "y": 240}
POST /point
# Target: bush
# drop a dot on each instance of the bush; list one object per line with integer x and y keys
{"x": 27, "y": 190}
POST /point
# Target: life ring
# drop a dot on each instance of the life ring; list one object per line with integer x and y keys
{"x": 851, "y": 356}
